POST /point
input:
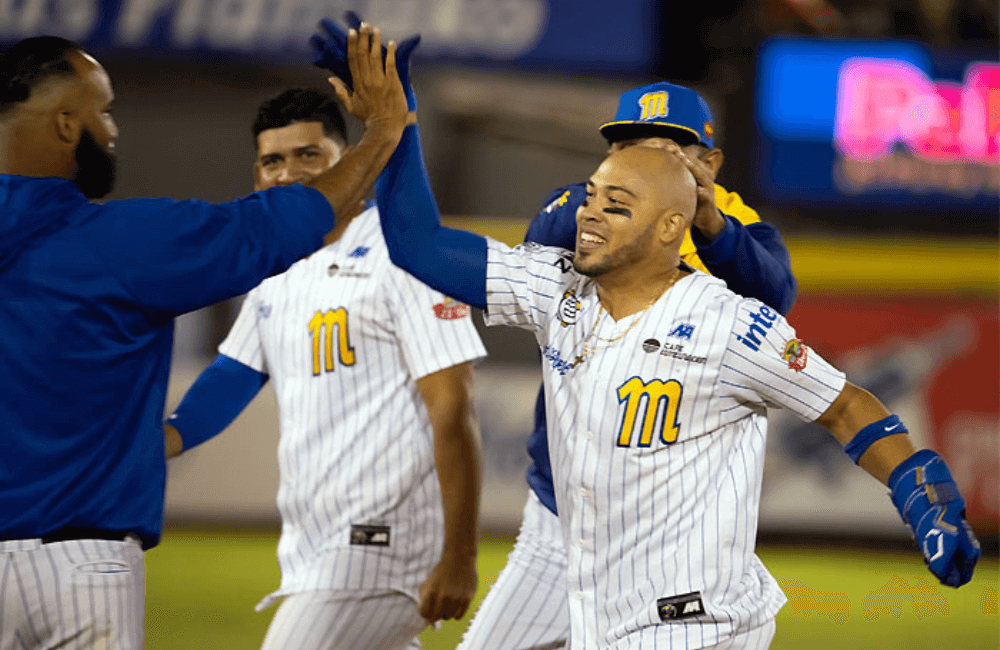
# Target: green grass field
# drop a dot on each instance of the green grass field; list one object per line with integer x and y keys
{"x": 202, "y": 586}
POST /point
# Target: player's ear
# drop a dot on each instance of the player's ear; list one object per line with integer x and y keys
{"x": 673, "y": 224}
{"x": 67, "y": 126}
{"x": 713, "y": 160}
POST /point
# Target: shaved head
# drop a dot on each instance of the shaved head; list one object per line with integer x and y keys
{"x": 660, "y": 173}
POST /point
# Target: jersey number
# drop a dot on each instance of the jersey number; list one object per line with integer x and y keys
{"x": 643, "y": 403}
{"x": 321, "y": 328}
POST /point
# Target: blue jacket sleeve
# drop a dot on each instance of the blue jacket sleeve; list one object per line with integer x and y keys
{"x": 177, "y": 256}
{"x": 753, "y": 260}
{"x": 219, "y": 394}
{"x": 448, "y": 260}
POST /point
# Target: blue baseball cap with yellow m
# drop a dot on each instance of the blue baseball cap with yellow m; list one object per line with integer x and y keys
{"x": 661, "y": 110}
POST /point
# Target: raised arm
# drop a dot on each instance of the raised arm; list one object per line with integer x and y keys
{"x": 451, "y": 261}
{"x": 753, "y": 261}
{"x": 377, "y": 99}
{"x": 736, "y": 246}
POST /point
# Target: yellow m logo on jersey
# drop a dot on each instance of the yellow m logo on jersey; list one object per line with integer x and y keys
{"x": 321, "y": 328}
{"x": 643, "y": 403}
{"x": 654, "y": 105}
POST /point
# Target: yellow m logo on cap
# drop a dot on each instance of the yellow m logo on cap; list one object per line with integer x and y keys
{"x": 654, "y": 105}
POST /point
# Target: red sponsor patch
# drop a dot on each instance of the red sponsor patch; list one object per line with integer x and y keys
{"x": 708, "y": 130}
{"x": 796, "y": 354}
{"x": 451, "y": 309}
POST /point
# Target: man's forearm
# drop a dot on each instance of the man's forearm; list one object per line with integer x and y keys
{"x": 458, "y": 459}
{"x": 852, "y": 411}
{"x": 348, "y": 182}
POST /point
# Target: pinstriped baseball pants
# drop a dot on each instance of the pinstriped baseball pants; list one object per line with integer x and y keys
{"x": 344, "y": 620}
{"x": 72, "y": 595}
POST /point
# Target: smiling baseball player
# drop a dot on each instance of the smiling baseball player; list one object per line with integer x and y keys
{"x": 660, "y": 378}
{"x": 527, "y": 606}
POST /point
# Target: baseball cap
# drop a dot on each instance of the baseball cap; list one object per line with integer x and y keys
{"x": 661, "y": 110}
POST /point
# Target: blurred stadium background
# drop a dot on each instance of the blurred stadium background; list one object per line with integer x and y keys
{"x": 866, "y": 130}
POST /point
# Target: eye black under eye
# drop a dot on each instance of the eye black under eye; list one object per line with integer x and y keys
{"x": 622, "y": 211}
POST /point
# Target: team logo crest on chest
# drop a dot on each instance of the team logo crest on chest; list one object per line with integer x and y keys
{"x": 569, "y": 308}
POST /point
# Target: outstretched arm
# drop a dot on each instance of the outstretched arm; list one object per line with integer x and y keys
{"x": 219, "y": 394}
{"x": 736, "y": 246}
{"x": 448, "y": 260}
{"x": 920, "y": 484}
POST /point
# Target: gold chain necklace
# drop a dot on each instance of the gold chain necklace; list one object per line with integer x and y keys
{"x": 587, "y": 350}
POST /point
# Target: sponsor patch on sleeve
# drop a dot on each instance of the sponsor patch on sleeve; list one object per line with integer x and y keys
{"x": 451, "y": 309}
{"x": 796, "y": 354}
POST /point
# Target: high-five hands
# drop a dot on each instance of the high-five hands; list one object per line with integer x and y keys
{"x": 376, "y": 95}
{"x": 330, "y": 53}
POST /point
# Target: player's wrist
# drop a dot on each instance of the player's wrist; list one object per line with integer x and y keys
{"x": 888, "y": 426}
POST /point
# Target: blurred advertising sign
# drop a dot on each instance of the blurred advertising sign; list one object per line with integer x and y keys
{"x": 574, "y": 34}
{"x": 893, "y": 125}
{"x": 933, "y": 362}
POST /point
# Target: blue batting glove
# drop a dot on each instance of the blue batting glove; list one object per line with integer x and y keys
{"x": 330, "y": 50}
{"x": 928, "y": 500}
{"x": 330, "y": 53}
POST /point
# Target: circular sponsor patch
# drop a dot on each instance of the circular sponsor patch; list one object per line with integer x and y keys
{"x": 650, "y": 345}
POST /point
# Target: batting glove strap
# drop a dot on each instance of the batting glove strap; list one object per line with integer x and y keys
{"x": 928, "y": 500}
{"x": 864, "y": 439}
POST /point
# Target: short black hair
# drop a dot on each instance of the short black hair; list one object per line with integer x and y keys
{"x": 29, "y": 62}
{"x": 301, "y": 105}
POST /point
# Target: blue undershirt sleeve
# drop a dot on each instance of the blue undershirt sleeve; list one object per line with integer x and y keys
{"x": 753, "y": 260}
{"x": 219, "y": 394}
{"x": 448, "y": 260}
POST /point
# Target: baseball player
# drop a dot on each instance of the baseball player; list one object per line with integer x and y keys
{"x": 88, "y": 294}
{"x": 659, "y": 378}
{"x": 526, "y": 607}
{"x": 371, "y": 370}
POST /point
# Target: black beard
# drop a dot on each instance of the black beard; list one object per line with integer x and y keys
{"x": 95, "y": 167}
{"x": 627, "y": 254}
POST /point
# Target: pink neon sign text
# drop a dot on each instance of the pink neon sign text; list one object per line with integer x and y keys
{"x": 881, "y": 102}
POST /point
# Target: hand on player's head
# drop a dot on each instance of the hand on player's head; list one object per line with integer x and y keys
{"x": 377, "y": 97}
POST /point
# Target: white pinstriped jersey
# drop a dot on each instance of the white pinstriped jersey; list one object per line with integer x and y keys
{"x": 344, "y": 335}
{"x": 657, "y": 446}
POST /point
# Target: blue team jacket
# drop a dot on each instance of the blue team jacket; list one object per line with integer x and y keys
{"x": 748, "y": 254}
{"x": 88, "y": 294}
